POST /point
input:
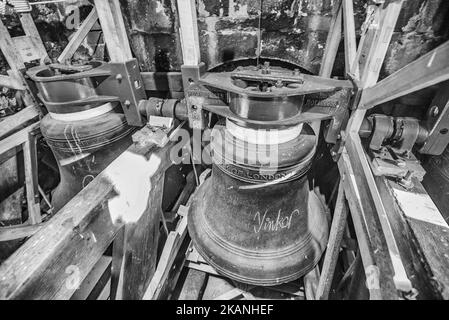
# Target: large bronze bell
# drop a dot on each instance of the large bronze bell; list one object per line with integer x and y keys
{"x": 255, "y": 223}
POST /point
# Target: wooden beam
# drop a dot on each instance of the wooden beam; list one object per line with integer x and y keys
{"x": 371, "y": 243}
{"x": 19, "y": 231}
{"x": 11, "y": 83}
{"x": 52, "y": 263}
{"x": 379, "y": 27}
{"x": 11, "y": 123}
{"x": 17, "y": 138}
{"x": 430, "y": 69}
{"x": 193, "y": 285}
{"x": 91, "y": 280}
{"x": 333, "y": 245}
{"x": 423, "y": 236}
{"x": 31, "y": 180}
{"x": 330, "y": 51}
{"x": 79, "y": 36}
{"x": 359, "y": 159}
{"x": 174, "y": 242}
{"x": 162, "y": 81}
{"x": 31, "y": 31}
{"x": 15, "y": 62}
{"x": 13, "y": 58}
{"x": 188, "y": 30}
{"x": 349, "y": 35}
{"x": 113, "y": 26}
{"x": 332, "y": 42}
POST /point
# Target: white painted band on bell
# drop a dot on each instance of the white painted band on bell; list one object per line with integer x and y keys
{"x": 263, "y": 136}
{"x": 83, "y": 115}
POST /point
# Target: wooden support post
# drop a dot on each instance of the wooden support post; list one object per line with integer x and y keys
{"x": 25, "y": 139}
{"x": 114, "y": 31}
{"x": 79, "y": 36}
{"x": 171, "y": 249}
{"x": 53, "y": 262}
{"x": 333, "y": 245}
{"x": 359, "y": 159}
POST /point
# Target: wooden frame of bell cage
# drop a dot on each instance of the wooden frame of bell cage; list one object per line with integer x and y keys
{"x": 405, "y": 249}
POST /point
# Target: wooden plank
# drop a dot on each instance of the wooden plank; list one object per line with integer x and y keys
{"x": 372, "y": 50}
{"x": 25, "y": 47}
{"x": 430, "y": 232}
{"x": 104, "y": 294}
{"x": 230, "y": 295}
{"x": 31, "y": 181}
{"x": 430, "y": 69}
{"x": 371, "y": 244}
{"x": 162, "y": 81}
{"x": 19, "y": 231}
{"x": 193, "y": 285}
{"x": 31, "y": 31}
{"x": 349, "y": 35}
{"x": 17, "y": 138}
{"x": 89, "y": 283}
{"x": 11, "y": 82}
{"x": 11, "y": 123}
{"x": 359, "y": 159}
{"x": 114, "y": 32}
{"x": 60, "y": 255}
{"x": 332, "y": 42}
{"x": 333, "y": 245}
{"x": 311, "y": 280}
{"x": 188, "y": 30}
{"x": 79, "y": 36}
{"x": 417, "y": 268}
{"x": 169, "y": 253}
{"x": 330, "y": 51}
{"x": 140, "y": 247}
{"x": 11, "y": 207}
{"x": 202, "y": 267}
{"x": 13, "y": 58}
